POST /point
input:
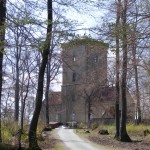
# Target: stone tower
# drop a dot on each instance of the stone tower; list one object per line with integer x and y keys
{"x": 84, "y": 66}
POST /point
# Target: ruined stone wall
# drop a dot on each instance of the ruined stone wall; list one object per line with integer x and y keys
{"x": 82, "y": 65}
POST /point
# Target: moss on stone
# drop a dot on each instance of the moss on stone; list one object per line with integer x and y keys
{"x": 84, "y": 41}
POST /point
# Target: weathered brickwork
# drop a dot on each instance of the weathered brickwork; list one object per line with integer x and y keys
{"x": 84, "y": 66}
{"x": 84, "y": 88}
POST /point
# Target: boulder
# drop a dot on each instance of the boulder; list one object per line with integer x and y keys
{"x": 103, "y": 132}
{"x": 47, "y": 129}
{"x": 55, "y": 124}
{"x": 87, "y": 131}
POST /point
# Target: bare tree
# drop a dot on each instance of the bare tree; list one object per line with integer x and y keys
{"x": 52, "y": 71}
{"x": 117, "y": 34}
{"x": 135, "y": 65}
{"x": 18, "y": 54}
{"x": 88, "y": 95}
{"x": 2, "y": 39}
{"x": 123, "y": 132}
{"x": 45, "y": 52}
{"x": 24, "y": 90}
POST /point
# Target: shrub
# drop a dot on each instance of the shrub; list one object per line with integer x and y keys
{"x": 9, "y": 130}
{"x": 94, "y": 126}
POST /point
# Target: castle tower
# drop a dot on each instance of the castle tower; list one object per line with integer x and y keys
{"x": 84, "y": 66}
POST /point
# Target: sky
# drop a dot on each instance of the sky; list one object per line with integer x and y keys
{"x": 86, "y": 16}
{"x": 86, "y": 20}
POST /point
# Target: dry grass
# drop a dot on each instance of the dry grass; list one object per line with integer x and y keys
{"x": 52, "y": 142}
{"x": 135, "y": 132}
{"x": 10, "y": 137}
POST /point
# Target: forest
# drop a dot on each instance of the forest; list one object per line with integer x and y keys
{"x": 31, "y": 34}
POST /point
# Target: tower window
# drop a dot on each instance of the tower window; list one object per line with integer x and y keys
{"x": 74, "y": 58}
{"x": 74, "y": 77}
{"x": 96, "y": 58}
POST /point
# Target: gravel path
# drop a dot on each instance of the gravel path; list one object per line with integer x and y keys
{"x": 74, "y": 142}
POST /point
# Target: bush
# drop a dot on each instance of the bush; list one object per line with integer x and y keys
{"x": 9, "y": 130}
{"x": 94, "y": 126}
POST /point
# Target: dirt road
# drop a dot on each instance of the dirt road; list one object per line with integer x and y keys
{"x": 74, "y": 142}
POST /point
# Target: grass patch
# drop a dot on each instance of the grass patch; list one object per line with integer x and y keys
{"x": 9, "y": 130}
{"x": 136, "y": 132}
{"x": 81, "y": 133}
{"x": 136, "y": 128}
{"x": 132, "y": 129}
{"x": 10, "y": 134}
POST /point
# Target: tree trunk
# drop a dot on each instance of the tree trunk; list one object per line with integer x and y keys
{"x": 47, "y": 93}
{"x": 134, "y": 62}
{"x": 33, "y": 145}
{"x": 138, "y": 107}
{"x": 138, "y": 96}
{"x": 2, "y": 38}
{"x": 123, "y": 132}
{"x": 23, "y": 101}
{"x": 16, "y": 116}
{"x": 89, "y": 112}
{"x": 117, "y": 112}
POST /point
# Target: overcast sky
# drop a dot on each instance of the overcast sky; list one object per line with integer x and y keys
{"x": 87, "y": 19}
